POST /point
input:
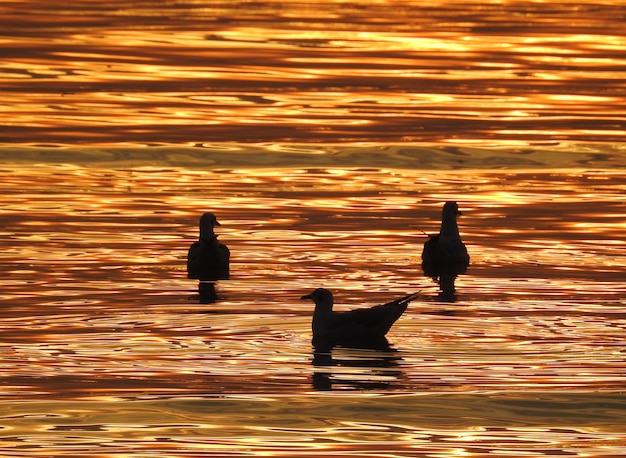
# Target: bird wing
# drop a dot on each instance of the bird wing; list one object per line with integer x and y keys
{"x": 403, "y": 300}
{"x": 444, "y": 255}
{"x": 193, "y": 266}
{"x": 208, "y": 261}
{"x": 431, "y": 255}
{"x": 368, "y": 322}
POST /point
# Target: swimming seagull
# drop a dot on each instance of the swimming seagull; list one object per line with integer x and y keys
{"x": 445, "y": 256}
{"x": 356, "y": 326}
{"x": 208, "y": 260}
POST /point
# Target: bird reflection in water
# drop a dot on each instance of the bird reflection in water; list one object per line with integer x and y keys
{"x": 372, "y": 365}
{"x": 208, "y": 260}
{"x": 445, "y": 256}
{"x": 353, "y": 338}
{"x": 207, "y": 293}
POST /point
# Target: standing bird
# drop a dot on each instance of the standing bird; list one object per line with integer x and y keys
{"x": 445, "y": 256}
{"x": 354, "y": 326}
{"x": 208, "y": 260}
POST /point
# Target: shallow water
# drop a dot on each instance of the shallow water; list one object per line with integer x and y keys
{"x": 326, "y": 140}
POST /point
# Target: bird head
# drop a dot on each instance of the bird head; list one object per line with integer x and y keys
{"x": 207, "y": 222}
{"x": 322, "y": 298}
{"x": 451, "y": 208}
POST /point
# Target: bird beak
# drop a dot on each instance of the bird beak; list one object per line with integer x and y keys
{"x": 306, "y": 296}
{"x": 217, "y": 224}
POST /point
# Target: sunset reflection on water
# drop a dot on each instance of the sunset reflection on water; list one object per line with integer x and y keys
{"x": 360, "y": 235}
{"x": 180, "y": 71}
{"x": 326, "y": 139}
{"x": 99, "y": 309}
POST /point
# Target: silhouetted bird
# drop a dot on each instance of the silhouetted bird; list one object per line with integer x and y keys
{"x": 445, "y": 256}
{"x": 208, "y": 259}
{"x": 358, "y": 326}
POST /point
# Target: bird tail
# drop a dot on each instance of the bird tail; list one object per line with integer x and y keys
{"x": 393, "y": 311}
{"x": 404, "y": 300}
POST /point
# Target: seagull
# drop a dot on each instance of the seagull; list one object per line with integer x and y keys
{"x": 208, "y": 259}
{"x": 445, "y": 256}
{"x": 356, "y": 326}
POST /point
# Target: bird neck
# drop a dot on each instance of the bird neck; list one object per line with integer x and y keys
{"x": 206, "y": 231}
{"x": 449, "y": 227}
{"x": 323, "y": 309}
{"x": 321, "y": 316}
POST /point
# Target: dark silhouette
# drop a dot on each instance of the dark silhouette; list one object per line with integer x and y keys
{"x": 445, "y": 256}
{"x": 207, "y": 294}
{"x": 373, "y": 366}
{"x": 208, "y": 260}
{"x": 360, "y": 326}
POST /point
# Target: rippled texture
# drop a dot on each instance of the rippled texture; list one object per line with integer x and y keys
{"x": 106, "y": 348}
{"x": 326, "y": 137}
{"x": 198, "y": 71}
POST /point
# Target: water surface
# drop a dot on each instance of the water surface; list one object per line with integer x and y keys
{"x": 191, "y": 71}
{"x": 107, "y": 348}
{"x": 326, "y": 139}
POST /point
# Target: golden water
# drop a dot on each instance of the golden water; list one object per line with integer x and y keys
{"x": 371, "y": 117}
{"x": 107, "y": 349}
{"x": 404, "y": 70}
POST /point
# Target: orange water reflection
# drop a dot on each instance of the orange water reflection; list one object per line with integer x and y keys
{"x": 104, "y": 341}
{"x": 196, "y": 71}
{"x": 546, "y": 255}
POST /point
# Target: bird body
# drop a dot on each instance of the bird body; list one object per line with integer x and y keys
{"x": 445, "y": 255}
{"x": 208, "y": 259}
{"x": 364, "y": 324}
